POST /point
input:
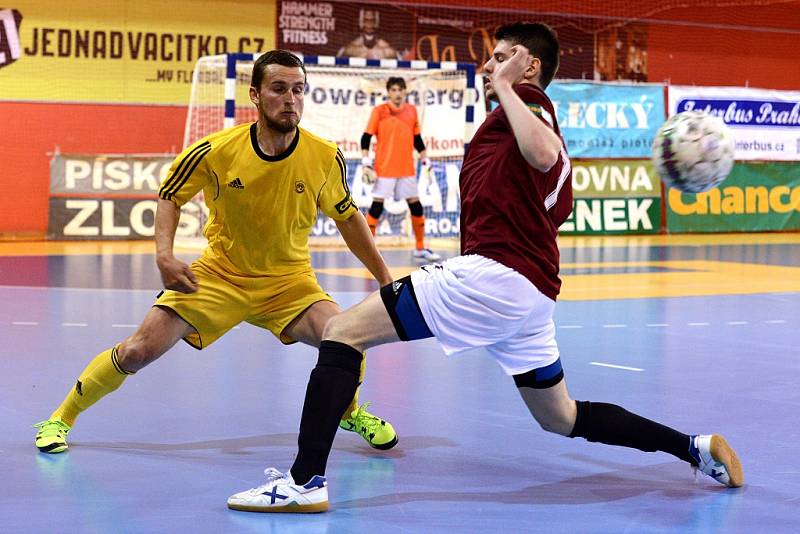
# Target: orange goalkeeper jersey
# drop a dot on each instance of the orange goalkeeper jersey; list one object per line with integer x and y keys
{"x": 394, "y": 130}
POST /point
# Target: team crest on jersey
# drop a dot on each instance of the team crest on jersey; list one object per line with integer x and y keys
{"x": 299, "y": 187}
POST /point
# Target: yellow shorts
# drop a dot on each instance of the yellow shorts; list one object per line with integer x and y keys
{"x": 224, "y": 300}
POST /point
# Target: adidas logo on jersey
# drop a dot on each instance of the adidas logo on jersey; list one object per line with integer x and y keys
{"x": 396, "y": 286}
{"x": 236, "y": 184}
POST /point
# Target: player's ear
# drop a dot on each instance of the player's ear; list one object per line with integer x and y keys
{"x": 254, "y": 95}
{"x": 533, "y": 71}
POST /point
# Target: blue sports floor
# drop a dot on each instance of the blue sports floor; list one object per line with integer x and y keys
{"x": 700, "y": 333}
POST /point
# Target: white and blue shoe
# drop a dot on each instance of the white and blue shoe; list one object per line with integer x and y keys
{"x": 281, "y": 494}
{"x": 717, "y": 459}
{"x": 426, "y": 254}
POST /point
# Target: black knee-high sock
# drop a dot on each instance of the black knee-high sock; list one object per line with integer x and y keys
{"x": 614, "y": 425}
{"x": 330, "y": 389}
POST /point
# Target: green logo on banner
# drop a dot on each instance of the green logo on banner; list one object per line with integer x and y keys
{"x": 755, "y": 197}
{"x": 614, "y": 216}
{"x": 614, "y": 197}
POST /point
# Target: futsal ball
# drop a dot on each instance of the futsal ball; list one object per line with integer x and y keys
{"x": 693, "y": 151}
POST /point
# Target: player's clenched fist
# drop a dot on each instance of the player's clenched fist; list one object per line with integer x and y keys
{"x": 176, "y": 275}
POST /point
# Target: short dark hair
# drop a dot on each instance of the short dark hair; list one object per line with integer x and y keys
{"x": 542, "y": 42}
{"x": 279, "y": 57}
{"x": 395, "y": 80}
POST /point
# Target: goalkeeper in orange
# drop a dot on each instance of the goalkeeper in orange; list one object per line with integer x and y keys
{"x": 396, "y": 129}
{"x": 264, "y": 183}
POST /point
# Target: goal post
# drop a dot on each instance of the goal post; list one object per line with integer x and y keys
{"x": 339, "y": 97}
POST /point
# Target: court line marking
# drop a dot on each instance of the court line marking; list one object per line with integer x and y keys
{"x": 697, "y": 324}
{"x": 775, "y": 321}
{"x": 623, "y": 367}
{"x": 24, "y": 323}
{"x": 737, "y": 322}
{"x": 124, "y": 325}
{"x": 74, "y": 324}
{"x": 566, "y": 326}
{"x": 615, "y": 326}
{"x": 657, "y": 324}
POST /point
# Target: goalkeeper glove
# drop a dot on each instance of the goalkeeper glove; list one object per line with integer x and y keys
{"x": 368, "y": 171}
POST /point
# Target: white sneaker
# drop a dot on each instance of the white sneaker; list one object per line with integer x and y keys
{"x": 426, "y": 254}
{"x": 717, "y": 459}
{"x": 281, "y": 494}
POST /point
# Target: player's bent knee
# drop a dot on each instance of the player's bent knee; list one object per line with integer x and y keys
{"x": 130, "y": 357}
{"x": 548, "y": 408}
{"x": 550, "y": 426}
{"x": 134, "y": 354}
{"x": 335, "y": 330}
{"x": 555, "y": 421}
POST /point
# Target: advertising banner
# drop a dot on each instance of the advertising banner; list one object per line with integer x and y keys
{"x": 608, "y": 120}
{"x": 115, "y": 197}
{"x": 384, "y": 31}
{"x": 110, "y": 197}
{"x": 756, "y": 197}
{"x": 127, "y": 51}
{"x": 614, "y": 197}
{"x": 765, "y": 124}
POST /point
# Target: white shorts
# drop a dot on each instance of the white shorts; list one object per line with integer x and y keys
{"x": 397, "y": 188}
{"x": 472, "y": 301}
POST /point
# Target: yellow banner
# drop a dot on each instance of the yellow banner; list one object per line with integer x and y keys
{"x": 121, "y": 51}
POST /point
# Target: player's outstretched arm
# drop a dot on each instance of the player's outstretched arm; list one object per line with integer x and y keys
{"x": 539, "y": 144}
{"x": 358, "y": 238}
{"x": 175, "y": 274}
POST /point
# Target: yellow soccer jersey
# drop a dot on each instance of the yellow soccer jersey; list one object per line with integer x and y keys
{"x": 261, "y": 207}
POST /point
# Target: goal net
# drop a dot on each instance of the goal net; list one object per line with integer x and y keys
{"x": 340, "y": 95}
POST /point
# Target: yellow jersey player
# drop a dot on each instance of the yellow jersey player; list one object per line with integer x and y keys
{"x": 263, "y": 184}
{"x": 396, "y": 128}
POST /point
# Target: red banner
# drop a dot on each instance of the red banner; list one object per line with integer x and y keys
{"x": 410, "y": 32}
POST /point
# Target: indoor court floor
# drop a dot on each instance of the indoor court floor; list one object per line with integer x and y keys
{"x": 698, "y": 332}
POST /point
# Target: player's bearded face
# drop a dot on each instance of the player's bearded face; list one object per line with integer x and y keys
{"x": 280, "y": 98}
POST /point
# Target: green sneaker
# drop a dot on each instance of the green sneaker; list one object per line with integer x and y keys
{"x": 378, "y": 433}
{"x": 52, "y": 435}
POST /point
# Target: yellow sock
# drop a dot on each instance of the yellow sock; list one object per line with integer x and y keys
{"x": 102, "y": 376}
{"x": 354, "y": 402}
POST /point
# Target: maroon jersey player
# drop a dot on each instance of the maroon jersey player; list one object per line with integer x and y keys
{"x": 499, "y": 294}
